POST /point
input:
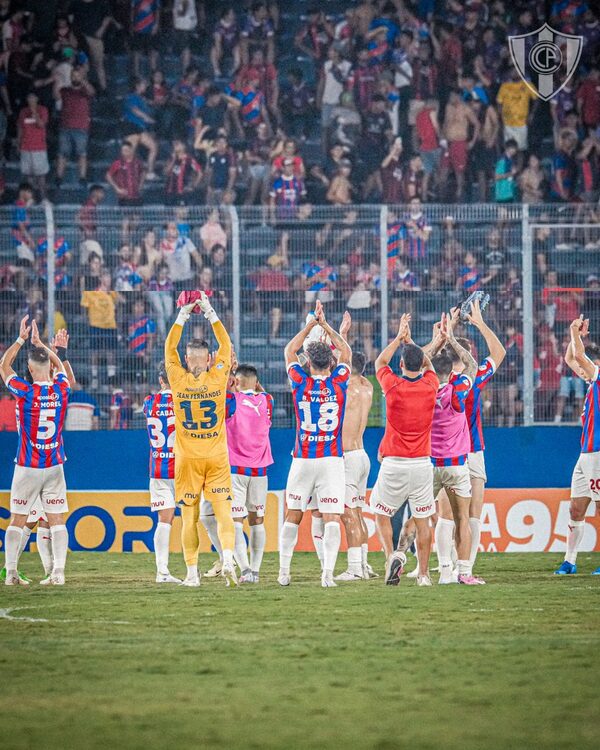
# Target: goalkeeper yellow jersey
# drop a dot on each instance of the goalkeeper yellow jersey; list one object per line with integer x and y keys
{"x": 199, "y": 401}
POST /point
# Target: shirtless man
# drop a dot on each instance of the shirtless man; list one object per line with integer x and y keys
{"x": 457, "y": 118}
{"x": 356, "y": 465}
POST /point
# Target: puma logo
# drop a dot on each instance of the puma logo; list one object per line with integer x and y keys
{"x": 247, "y": 402}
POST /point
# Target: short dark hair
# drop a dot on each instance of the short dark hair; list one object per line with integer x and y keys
{"x": 319, "y": 355}
{"x": 413, "y": 357}
{"x": 442, "y": 364}
{"x": 25, "y": 186}
{"x": 162, "y": 372}
{"x": 197, "y": 344}
{"x": 511, "y": 143}
{"x": 593, "y": 351}
{"x": 39, "y": 355}
{"x": 247, "y": 371}
{"x": 359, "y": 362}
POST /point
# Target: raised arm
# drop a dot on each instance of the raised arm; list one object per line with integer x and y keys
{"x": 470, "y": 365}
{"x": 225, "y": 348}
{"x": 54, "y": 358}
{"x": 438, "y": 341}
{"x": 340, "y": 343}
{"x": 172, "y": 362}
{"x": 59, "y": 345}
{"x": 402, "y": 337}
{"x": 292, "y": 347}
{"x": 579, "y": 329}
{"x": 9, "y": 356}
{"x": 494, "y": 345}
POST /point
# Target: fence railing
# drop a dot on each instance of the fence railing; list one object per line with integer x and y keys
{"x": 115, "y": 274}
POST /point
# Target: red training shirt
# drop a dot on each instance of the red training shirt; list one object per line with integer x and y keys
{"x": 33, "y": 137}
{"x": 409, "y": 406}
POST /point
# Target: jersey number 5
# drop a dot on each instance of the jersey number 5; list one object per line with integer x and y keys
{"x": 328, "y": 417}
{"x": 208, "y": 414}
{"x": 46, "y": 425}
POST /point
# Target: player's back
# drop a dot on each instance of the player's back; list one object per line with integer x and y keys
{"x": 249, "y": 417}
{"x": 450, "y": 435}
{"x": 485, "y": 372}
{"x": 359, "y": 398}
{"x": 410, "y": 403}
{"x": 319, "y": 404}
{"x": 41, "y": 412}
{"x": 199, "y": 405}
{"x": 160, "y": 423}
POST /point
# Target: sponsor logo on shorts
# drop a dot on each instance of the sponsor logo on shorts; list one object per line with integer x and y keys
{"x": 219, "y": 490}
{"x": 190, "y": 496}
{"x": 18, "y": 501}
{"x": 259, "y": 508}
{"x": 240, "y": 509}
{"x": 328, "y": 500}
{"x": 55, "y": 501}
{"x": 423, "y": 508}
{"x": 294, "y": 497}
{"x": 158, "y": 503}
{"x": 384, "y": 508}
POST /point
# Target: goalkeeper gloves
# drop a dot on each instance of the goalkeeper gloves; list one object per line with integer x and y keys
{"x": 184, "y": 313}
{"x": 207, "y": 309}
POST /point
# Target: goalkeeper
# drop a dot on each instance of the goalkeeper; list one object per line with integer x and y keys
{"x": 201, "y": 458}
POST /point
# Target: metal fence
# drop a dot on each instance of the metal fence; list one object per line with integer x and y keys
{"x": 115, "y": 274}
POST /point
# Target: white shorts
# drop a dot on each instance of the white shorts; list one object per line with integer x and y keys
{"x": 401, "y": 480}
{"x": 322, "y": 478}
{"x": 249, "y": 495}
{"x": 517, "y": 133}
{"x": 586, "y": 476}
{"x": 356, "y": 468}
{"x": 455, "y": 478}
{"x": 162, "y": 494}
{"x": 36, "y": 512}
{"x": 46, "y": 484}
{"x": 477, "y": 466}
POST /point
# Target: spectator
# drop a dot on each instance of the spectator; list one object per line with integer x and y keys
{"x": 532, "y": 181}
{"x": 138, "y": 122}
{"x": 185, "y": 24}
{"x": 550, "y": 363}
{"x": 319, "y": 279}
{"x": 391, "y": 175}
{"x": 160, "y": 296}
{"x": 360, "y": 304}
{"x": 212, "y": 233}
{"x": 412, "y": 179}
{"x": 588, "y": 99}
{"x": 75, "y": 120}
{"x": 101, "y": 310}
{"x": 87, "y": 218}
{"x": 93, "y": 18}
{"x": 127, "y": 279}
{"x": 21, "y": 225}
{"x": 126, "y": 176}
{"x": 424, "y": 82}
{"x": 258, "y": 156}
{"x": 428, "y": 133}
{"x": 83, "y": 412}
{"x": 315, "y": 36}
{"x": 257, "y": 32}
{"x": 226, "y": 42}
{"x": 288, "y": 150}
{"x": 145, "y": 28}
{"x": 8, "y": 416}
{"x": 340, "y": 191}
{"x": 484, "y": 153}
{"x": 183, "y": 175}
{"x": 221, "y": 173}
{"x": 121, "y": 410}
{"x": 90, "y": 278}
{"x": 506, "y": 172}
{"x": 268, "y": 84}
{"x": 297, "y": 105}
{"x": 415, "y": 231}
{"x": 141, "y": 334}
{"x": 515, "y": 97}
{"x": 287, "y": 191}
{"x": 334, "y": 74}
{"x": 179, "y": 252}
{"x": 458, "y": 116}
{"x": 253, "y": 109}
{"x": 32, "y": 126}
{"x": 564, "y": 168}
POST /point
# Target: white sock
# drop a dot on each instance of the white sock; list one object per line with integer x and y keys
{"x": 210, "y": 524}
{"x": 317, "y": 528}
{"x": 444, "y": 529}
{"x": 454, "y": 553}
{"x": 192, "y": 571}
{"x": 258, "y": 539}
{"x": 43, "y": 541}
{"x": 241, "y": 550}
{"x": 574, "y": 537}
{"x": 355, "y": 560}
{"x": 332, "y": 536}
{"x": 60, "y": 544}
{"x": 364, "y": 551}
{"x": 24, "y": 540}
{"x": 162, "y": 536}
{"x": 287, "y": 544}
{"x": 475, "y": 524}
{"x": 228, "y": 557}
{"x": 12, "y": 542}
{"x": 464, "y": 568}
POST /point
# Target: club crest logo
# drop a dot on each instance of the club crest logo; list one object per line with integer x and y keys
{"x": 545, "y": 59}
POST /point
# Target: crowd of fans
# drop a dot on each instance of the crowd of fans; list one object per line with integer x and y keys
{"x": 196, "y": 104}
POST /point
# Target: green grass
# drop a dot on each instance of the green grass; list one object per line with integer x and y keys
{"x": 123, "y": 663}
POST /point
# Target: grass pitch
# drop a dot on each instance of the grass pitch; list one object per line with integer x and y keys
{"x": 114, "y": 661}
